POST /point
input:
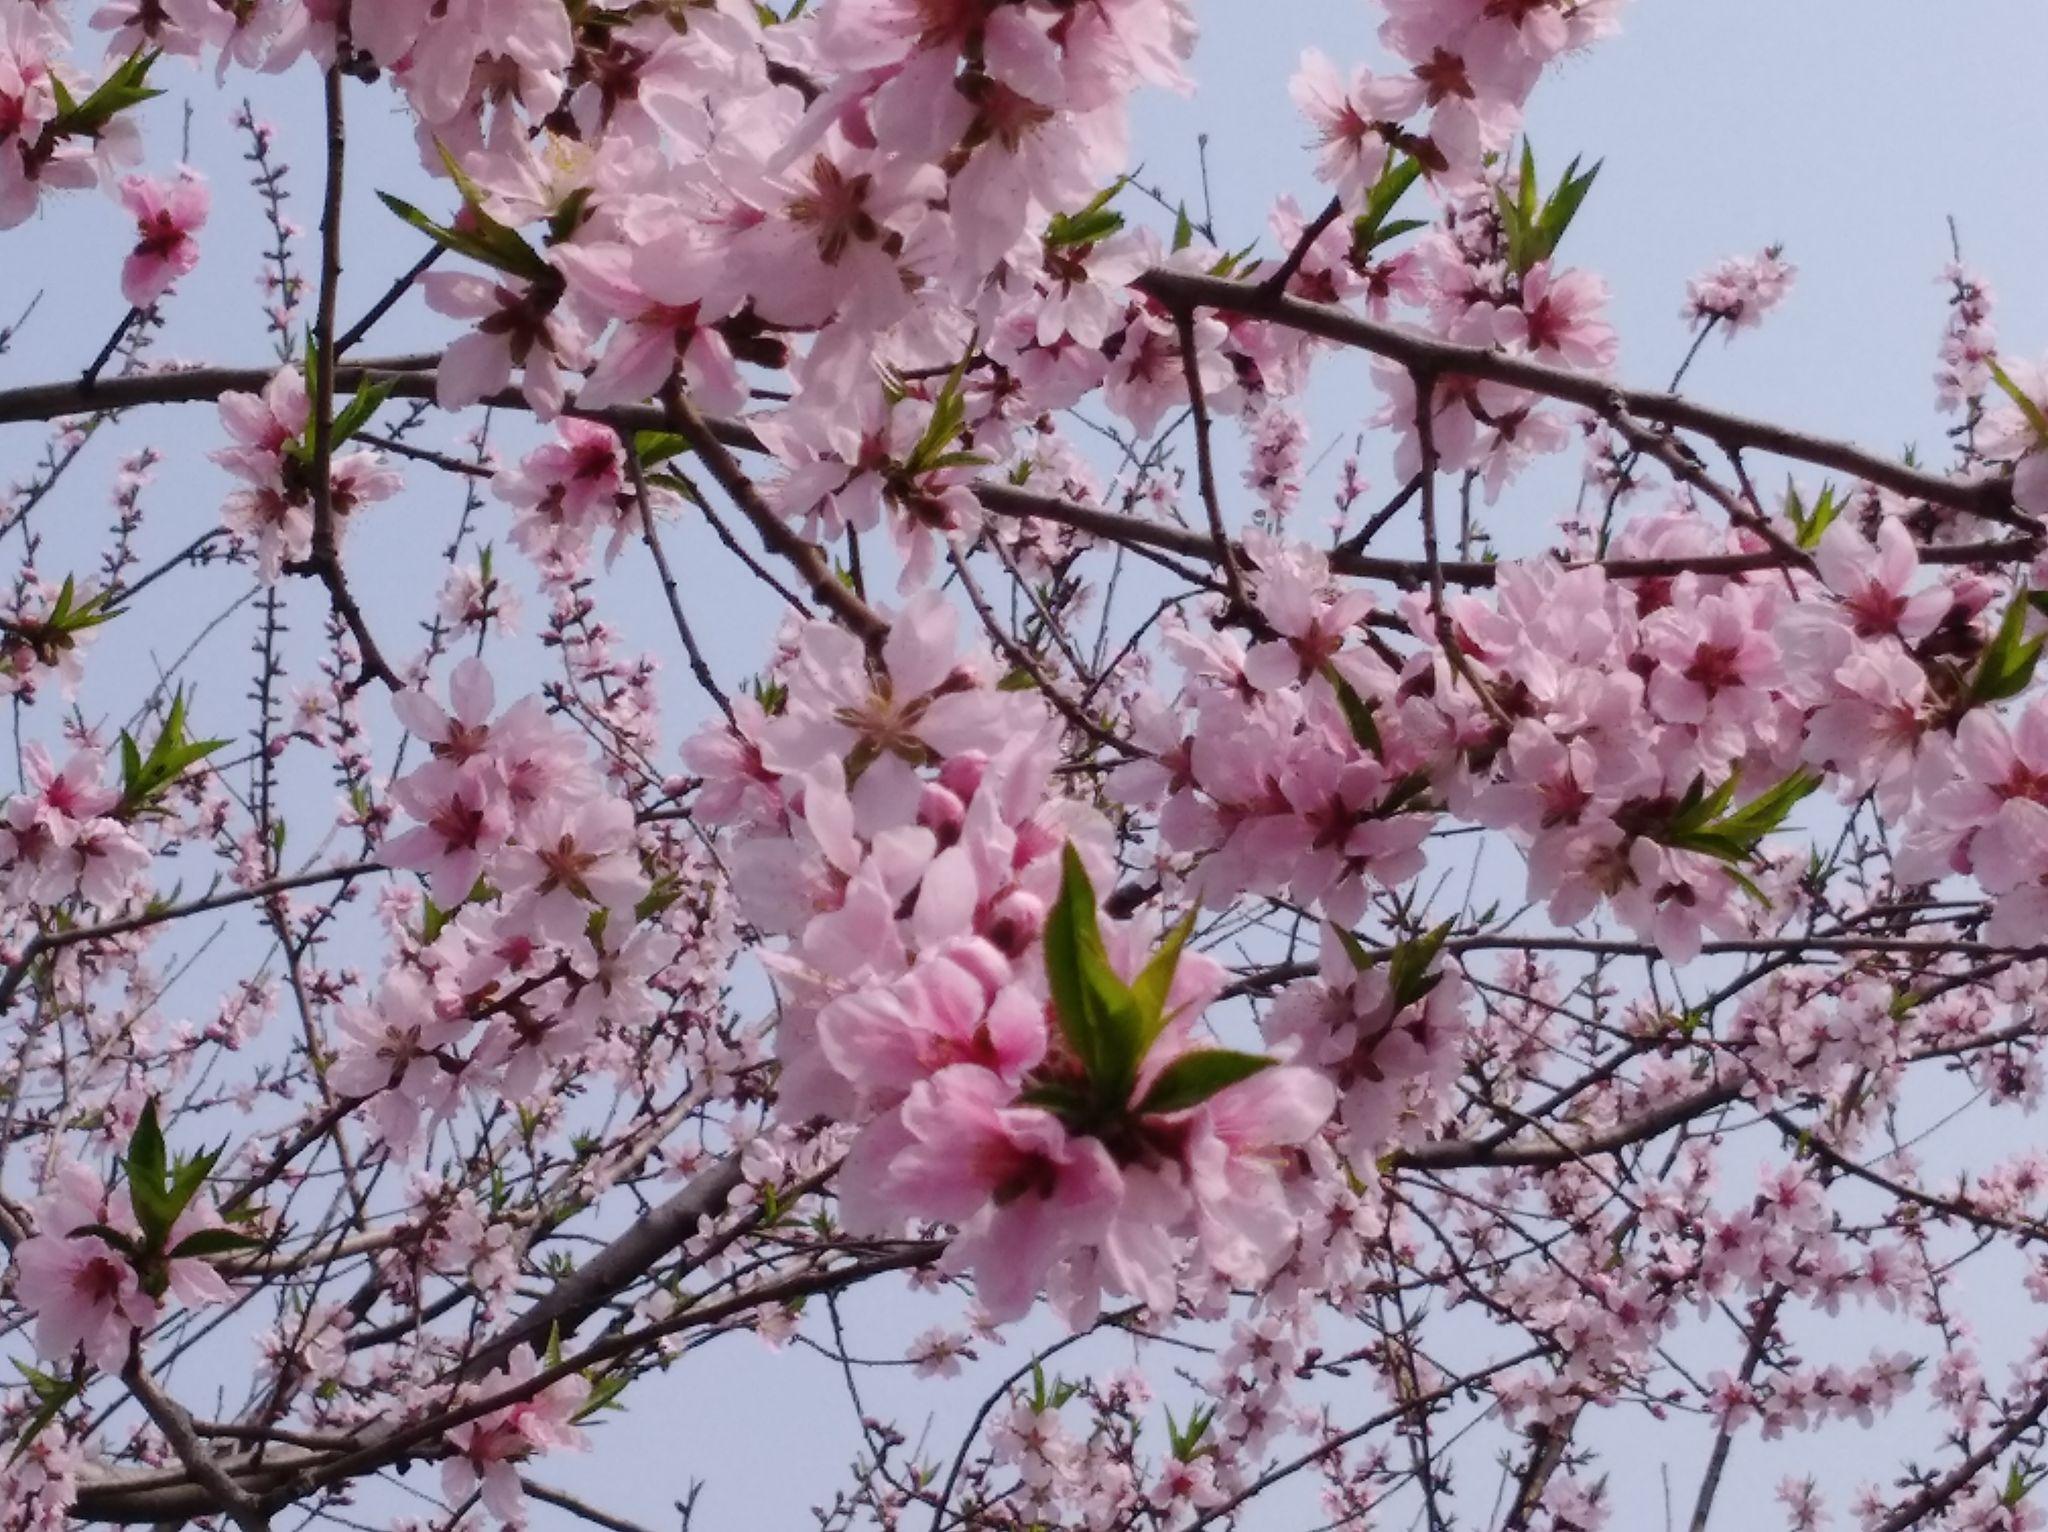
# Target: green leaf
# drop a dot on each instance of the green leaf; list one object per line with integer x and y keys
{"x": 1765, "y": 812}
{"x": 354, "y": 415}
{"x": 1121, "y": 1030}
{"x": 144, "y": 779}
{"x": 147, "y": 1158}
{"x": 1396, "y": 229}
{"x": 1067, "y": 229}
{"x": 434, "y": 920}
{"x": 53, "y": 1394}
{"x": 959, "y": 460}
{"x": 1370, "y": 228}
{"x": 1185, "y": 1441}
{"x": 664, "y": 892}
{"x": 604, "y": 1395}
{"x": 1153, "y": 983}
{"x": 1535, "y": 225}
{"x": 2027, "y": 407}
{"x": 1230, "y": 264}
{"x": 1707, "y": 825}
{"x": 1183, "y": 230}
{"x": 1097, "y": 1013}
{"x": 1057, "y": 1097}
{"x": 495, "y": 245}
{"x": 122, "y": 89}
{"x": 2007, "y": 665}
{"x": 146, "y": 1165}
{"x": 1070, "y": 929}
{"x": 1355, "y": 949}
{"x": 188, "y": 1176}
{"x": 1094, "y": 222}
{"x": 211, "y": 1242}
{"x": 1562, "y": 208}
{"x": 948, "y": 418}
{"x": 1697, "y": 809}
{"x": 1193, "y": 1078}
{"x": 1409, "y": 978}
{"x": 56, "y": 632}
{"x": 1358, "y": 713}
{"x": 1747, "y": 884}
{"x": 1809, "y": 524}
{"x": 653, "y": 447}
{"x": 568, "y": 218}
{"x": 108, "y": 1234}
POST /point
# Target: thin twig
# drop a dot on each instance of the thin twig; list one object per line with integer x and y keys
{"x": 698, "y": 667}
{"x": 805, "y": 558}
{"x": 1205, "y": 467}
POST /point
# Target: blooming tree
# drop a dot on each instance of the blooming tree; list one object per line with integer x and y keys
{"x": 1298, "y": 1016}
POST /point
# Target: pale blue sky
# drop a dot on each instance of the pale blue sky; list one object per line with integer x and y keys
{"x": 1848, "y": 131}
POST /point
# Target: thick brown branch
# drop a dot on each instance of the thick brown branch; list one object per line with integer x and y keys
{"x": 200, "y": 1463}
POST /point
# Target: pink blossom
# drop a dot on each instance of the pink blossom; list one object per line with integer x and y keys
{"x": 518, "y": 326}
{"x": 1561, "y": 315}
{"x": 486, "y": 1452}
{"x": 82, "y": 1290}
{"x": 1740, "y": 291}
{"x": 957, "y": 1007}
{"x": 1349, "y": 118}
{"x": 1023, "y": 1191}
{"x": 166, "y": 219}
{"x": 1875, "y": 581}
{"x": 573, "y": 859}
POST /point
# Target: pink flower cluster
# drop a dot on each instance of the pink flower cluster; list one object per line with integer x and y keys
{"x": 485, "y": 1453}
{"x": 270, "y": 455}
{"x": 34, "y": 157}
{"x": 1739, "y": 291}
{"x": 897, "y": 823}
{"x": 1389, "y": 1036}
{"x": 61, "y": 839}
{"x": 84, "y": 1291}
{"x": 537, "y": 929}
{"x": 1470, "y": 67}
{"x": 568, "y": 492}
{"x": 2013, "y": 432}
